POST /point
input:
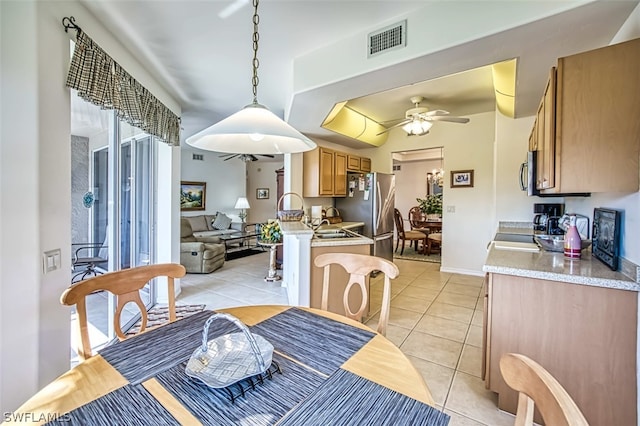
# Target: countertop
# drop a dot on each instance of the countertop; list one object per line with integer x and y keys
{"x": 300, "y": 229}
{"x": 554, "y": 266}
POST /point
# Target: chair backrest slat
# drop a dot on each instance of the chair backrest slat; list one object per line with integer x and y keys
{"x": 358, "y": 266}
{"x": 538, "y": 387}
{"x": 126, "y": 285}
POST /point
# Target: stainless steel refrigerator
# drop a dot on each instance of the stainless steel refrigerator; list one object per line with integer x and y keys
{"x": 371, "y": 199}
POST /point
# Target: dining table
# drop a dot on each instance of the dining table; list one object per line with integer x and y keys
{"x": 332, "y": 370}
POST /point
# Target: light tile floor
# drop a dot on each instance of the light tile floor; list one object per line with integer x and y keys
{"x": 435, "y": 319}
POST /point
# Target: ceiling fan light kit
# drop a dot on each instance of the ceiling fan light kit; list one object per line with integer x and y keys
{"x": 418, "y": 120}
{"x": 254, "y": 129}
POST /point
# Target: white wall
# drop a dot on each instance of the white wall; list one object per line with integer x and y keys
{"x": 262, "y": 174}
{"x": 468, "y": 146}
{"x": 226, "y": 180}
{"x": 35, "y": 187}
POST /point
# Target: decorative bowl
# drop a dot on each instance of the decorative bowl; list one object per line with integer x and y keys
{"x": 556, "y": 242}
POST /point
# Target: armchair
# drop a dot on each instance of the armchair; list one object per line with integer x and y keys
{"x": 199, "y": 255}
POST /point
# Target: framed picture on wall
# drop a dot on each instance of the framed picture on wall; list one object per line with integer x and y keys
{"x": 262, "y": 193}
{"x": 462, "y": 179}
{"x": 192, "y": 195}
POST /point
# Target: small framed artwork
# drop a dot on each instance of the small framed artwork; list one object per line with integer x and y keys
{"x": 262, "y": 193}
{"x": 462, "y": 179}
{"x": 192, "y": 195}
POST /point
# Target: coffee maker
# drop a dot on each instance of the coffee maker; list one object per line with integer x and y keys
{"x": 547, "y": 217}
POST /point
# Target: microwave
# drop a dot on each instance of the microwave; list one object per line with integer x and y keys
{"x": 528, "y": 174}
{"x": 527, "y": 178}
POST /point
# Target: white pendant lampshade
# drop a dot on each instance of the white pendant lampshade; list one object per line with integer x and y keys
{"x": 252, "y": 130}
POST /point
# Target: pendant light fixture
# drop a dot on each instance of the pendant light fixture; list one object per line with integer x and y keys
{"x": 254, "y": 129}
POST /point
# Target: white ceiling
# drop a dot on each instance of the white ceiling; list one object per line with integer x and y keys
{"x": 204, "y": 61}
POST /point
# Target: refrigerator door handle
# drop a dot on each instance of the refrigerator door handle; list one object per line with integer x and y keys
{"x": 379, "y": 204}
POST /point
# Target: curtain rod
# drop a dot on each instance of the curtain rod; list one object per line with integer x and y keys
{"x": 70, "y": 23}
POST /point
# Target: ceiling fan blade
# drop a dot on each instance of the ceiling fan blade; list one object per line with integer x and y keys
{"x": 227, "y": 155}
{"x": 435, "y": 112}
{"x": 462, "y": 120}
{"x": 267, "y": 155}
{"x": 402, "y": 123}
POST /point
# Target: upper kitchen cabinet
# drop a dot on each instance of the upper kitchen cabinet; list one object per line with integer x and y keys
{"x": 586, "y": 132}
{"x": 325, "y": 173}
{"x": 358, "y": 164}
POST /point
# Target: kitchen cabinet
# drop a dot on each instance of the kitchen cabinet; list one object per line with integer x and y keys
{"x": 325, "y": 173}
{"x": 585, "y": 336}
{"x": 358, "y": 164}
{"x": 586, "y": 132}
{"x": 544, "y": 131}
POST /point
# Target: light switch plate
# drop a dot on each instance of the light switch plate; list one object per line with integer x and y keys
{"x": 51, "y": 260}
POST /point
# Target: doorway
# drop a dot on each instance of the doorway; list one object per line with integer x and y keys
{"x": 419, "y": 174}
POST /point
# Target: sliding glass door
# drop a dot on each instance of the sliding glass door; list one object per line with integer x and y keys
{"x": 113, "y": 180}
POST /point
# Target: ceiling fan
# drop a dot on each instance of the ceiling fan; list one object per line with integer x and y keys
{"x": 244, "y": 157}
{"x": 418, "y": 120}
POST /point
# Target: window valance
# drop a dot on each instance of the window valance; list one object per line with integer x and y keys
{"x": 101, "y": 81}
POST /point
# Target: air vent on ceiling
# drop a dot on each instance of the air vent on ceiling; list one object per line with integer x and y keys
{"x": 198, "y": 157}
{"x": 388, "y": 38}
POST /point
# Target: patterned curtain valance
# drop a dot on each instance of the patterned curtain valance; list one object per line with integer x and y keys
{"x": 101, "y": 81}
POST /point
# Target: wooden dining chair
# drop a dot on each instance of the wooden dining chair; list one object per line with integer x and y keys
{"x": 126, "y": 285}
{"x": 537, "y": 386}
{"x": 358, "y": 266}
{"x": 408, "y": 235}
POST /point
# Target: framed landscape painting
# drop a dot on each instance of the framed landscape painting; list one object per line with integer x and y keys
{"x": 192, "y": 195}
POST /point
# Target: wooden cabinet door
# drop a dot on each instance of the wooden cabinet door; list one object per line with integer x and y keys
{"x": 533, "y": 140}
{"x": 353, "y": 163}
{"x": 365, "y": 165}
{"x": 539, "y": 131}
{"x": 549, "y": 140}
{"x": 340, "y": 174}
{"x": 326, "y": 171}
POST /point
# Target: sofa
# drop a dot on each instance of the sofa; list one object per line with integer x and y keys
{"x": 199, "y": 255}
{"x": 205, "y": 225}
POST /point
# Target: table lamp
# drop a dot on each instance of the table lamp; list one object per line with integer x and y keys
{"x": 242, "y": 204}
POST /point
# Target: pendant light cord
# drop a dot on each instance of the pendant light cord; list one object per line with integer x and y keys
{"x": 256, "y": 62}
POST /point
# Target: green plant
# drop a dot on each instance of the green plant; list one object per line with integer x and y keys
{"x": 271, "y": 232}
{"x": 432, "y": 204}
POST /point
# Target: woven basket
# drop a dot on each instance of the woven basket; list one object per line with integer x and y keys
{"x": 290, "y": 215}
{"x": 230, "y": 358}
{"x": 335, "y": 218}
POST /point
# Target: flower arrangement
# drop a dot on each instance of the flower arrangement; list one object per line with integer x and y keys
{"x": 432, "y": 204}
{"x": 271, "y": 232}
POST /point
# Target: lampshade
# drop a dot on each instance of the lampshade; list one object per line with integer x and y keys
{"x": 242, "y": 203}
{"x": 252, "y": 130}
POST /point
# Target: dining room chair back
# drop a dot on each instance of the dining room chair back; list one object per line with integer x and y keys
{"x": 537, "y": 387}
{"x": 125, "y": 285}
{"x": 407, "y": 235}
{"x": 416, "y": 218}
{"x": 358, "y": 266}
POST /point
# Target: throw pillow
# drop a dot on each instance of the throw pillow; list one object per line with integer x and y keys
{"x": 222, "y": 221}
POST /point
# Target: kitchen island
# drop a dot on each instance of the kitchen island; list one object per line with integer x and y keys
{"x": 577, "y": 318}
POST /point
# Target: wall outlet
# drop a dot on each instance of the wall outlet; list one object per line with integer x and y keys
{"x": 451, "y": 209}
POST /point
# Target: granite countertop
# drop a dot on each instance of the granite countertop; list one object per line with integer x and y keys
{"x": 554, "y": 266}
{"x": 299, "y": 228}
